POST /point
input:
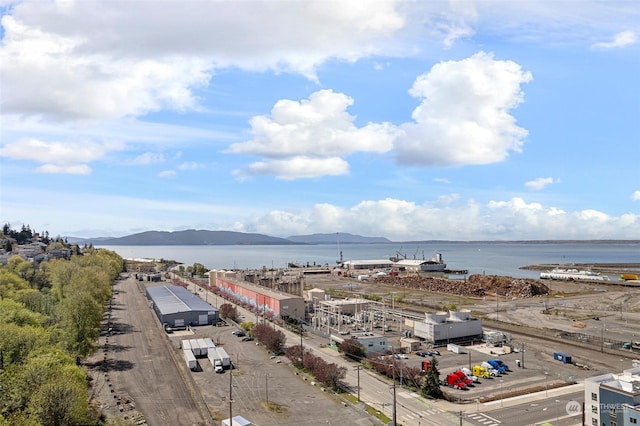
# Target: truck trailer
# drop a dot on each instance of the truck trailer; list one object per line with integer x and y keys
{"x": 190, "y": 359}
{"x": 457, "y": 349}
{"x": 224, "y": 357}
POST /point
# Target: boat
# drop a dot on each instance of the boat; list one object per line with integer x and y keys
{"x": 573, "y": 275}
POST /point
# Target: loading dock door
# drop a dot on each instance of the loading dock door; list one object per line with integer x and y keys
{"x": 203, "y": 319}
{"x": 179, "y": 323}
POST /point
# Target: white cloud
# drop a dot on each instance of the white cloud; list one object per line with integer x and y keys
{"x": 148, "y": 158}
{"x": 402, "y": 220}
{"x": 442, "y": 180}
{"x": 464, "y": 115}
{"x": 539, "y": 183}
{"x": 463, "y": 119}
{"x": 622, "y": 39}
{"x": 95, "y": 59}
{"x": 167, "y": 173}
{"x": 309, "y": 138}
{"x": 190, "y": 165}
{"x": 59, "y": 157}
{"x": 74, "y": 169}
{"x": 635, "y": 196}
{"x": 297, "y": 167}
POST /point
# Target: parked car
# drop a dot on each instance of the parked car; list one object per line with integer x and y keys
{"x": 400, "y": 356}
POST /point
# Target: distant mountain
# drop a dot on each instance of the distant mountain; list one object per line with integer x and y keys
{"x": 190, "y": 237}
{"x": 342, "y": 238}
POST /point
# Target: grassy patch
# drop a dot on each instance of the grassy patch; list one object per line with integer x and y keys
{"x": 377, "y": 414}
{"x": 274, "y": 407}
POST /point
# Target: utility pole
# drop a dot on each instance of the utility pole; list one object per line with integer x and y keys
{"x": 230, "y": 397}
{"x": 266, "y": 386}
{"x": 393, "y": 421}
{"x": 358, "y": 368}
{"x": 522, "y": 355}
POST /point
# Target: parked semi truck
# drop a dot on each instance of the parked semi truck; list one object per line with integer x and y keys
{"x": 470, "y": 375}
{"x": 499, "y": 365}
{"x": 493, "y": 372}
{"x": 452, "y": 380}
{"x": 463, "y": 377}
{"x": 480, "y": 372}
{"x": 215, "y": 360}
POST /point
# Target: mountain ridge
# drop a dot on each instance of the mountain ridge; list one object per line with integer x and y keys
{"x": 205, "y": 237}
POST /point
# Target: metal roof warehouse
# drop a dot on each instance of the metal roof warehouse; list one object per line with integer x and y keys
{"x": 178, "y": 307}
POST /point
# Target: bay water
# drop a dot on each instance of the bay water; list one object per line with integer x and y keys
{"x": 492, "y": 258}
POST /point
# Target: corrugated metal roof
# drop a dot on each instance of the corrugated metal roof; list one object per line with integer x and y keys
{"x": 171, "y": 299}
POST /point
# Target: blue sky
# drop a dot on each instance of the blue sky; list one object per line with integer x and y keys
{"x": 461, "y": 120}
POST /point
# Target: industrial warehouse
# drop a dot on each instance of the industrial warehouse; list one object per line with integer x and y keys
{"x": 177, "y": 307}
{"x": 270, "y": 302}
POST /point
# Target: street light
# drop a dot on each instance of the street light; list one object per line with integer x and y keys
{"x": 501, "y": 394}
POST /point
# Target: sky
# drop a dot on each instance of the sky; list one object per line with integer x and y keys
{"x": 411, "y": 120}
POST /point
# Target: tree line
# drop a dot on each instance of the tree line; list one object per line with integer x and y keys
{"x": 50, "y": 314}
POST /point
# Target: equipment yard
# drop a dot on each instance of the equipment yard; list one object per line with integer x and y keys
{"x": 139, "y": 371}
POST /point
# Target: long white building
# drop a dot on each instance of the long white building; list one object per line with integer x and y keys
{"x": 442, "y": 328}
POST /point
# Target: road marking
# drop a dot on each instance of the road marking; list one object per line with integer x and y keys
{"x": 423, "y": 413}
{"x": 484, "y": 419}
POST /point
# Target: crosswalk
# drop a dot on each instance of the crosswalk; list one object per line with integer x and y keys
{"x": 483, "y": 419}
{"x": 422, "y": 414}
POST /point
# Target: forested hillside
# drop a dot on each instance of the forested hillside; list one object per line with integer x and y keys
{"x": 50, "y": 314}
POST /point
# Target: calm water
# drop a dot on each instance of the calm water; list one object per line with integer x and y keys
{"x": 494, "y": 259}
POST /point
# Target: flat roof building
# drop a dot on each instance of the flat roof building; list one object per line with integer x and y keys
{"x": 260, "y": 299}
{"x": 612, "y": 399}
{"x": 178, "y": 307}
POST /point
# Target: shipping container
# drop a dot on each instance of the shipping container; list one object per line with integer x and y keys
{"x": 564, "y": 358}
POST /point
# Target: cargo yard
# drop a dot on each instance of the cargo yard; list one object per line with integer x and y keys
{"x": 212, "y": 372}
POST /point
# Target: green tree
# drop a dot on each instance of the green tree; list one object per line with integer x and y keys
{"x": 199, "y": 269}
{"x": 431, "y": 384}
{"x": 81, "y": 316}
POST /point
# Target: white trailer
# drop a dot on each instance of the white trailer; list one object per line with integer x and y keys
{"x": 457, "y": 349}
{"x": 185, "y": 344}
{"x": 215, "y": 360}
{"x": 195, "y": 348}
{"x": 203, "y": 347}
{"x": 210, "y": 345}
{"x": 224, "y": 357}
{"x": 190, "y": 359}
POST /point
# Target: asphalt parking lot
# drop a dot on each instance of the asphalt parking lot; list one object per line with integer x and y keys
{"x": 258, "y": 378}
